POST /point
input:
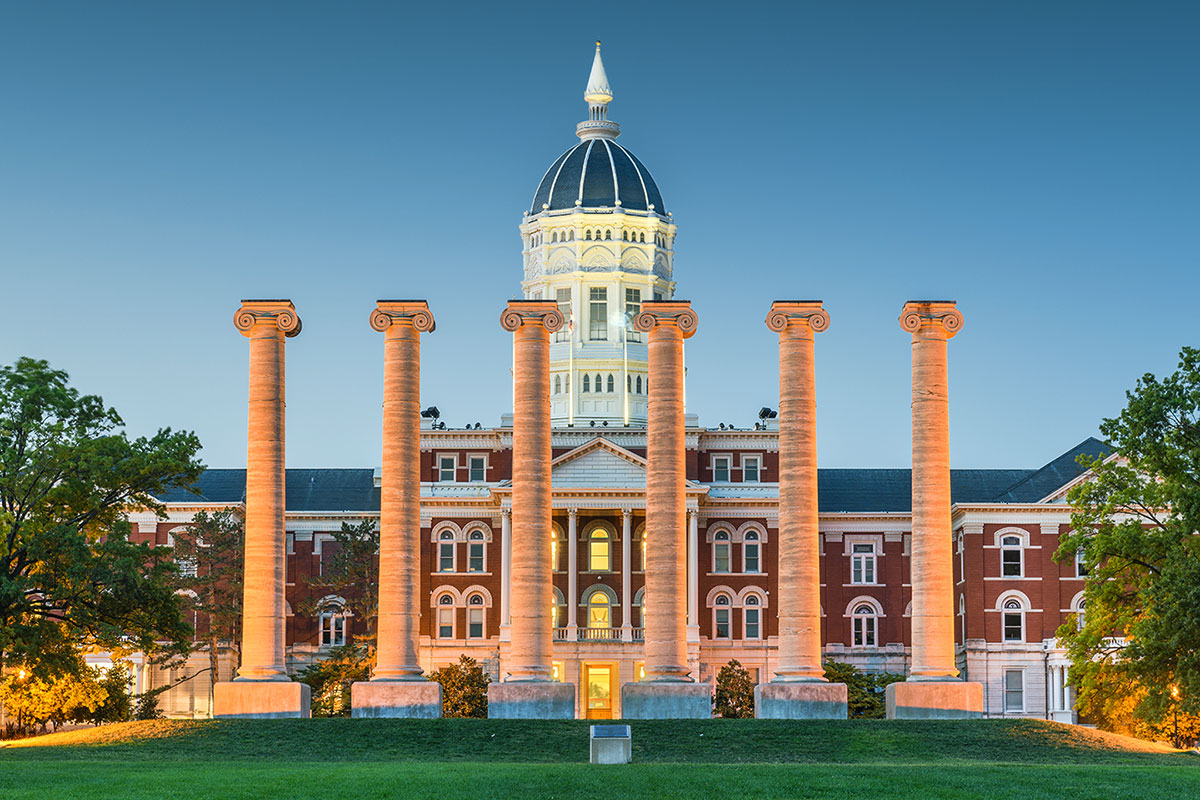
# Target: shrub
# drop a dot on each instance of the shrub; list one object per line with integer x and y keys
{"x": 330, "y": 679}
{"x": 734, "y": 695}
{"x": 864, "y": 690}
{"x": 464, "y": 689}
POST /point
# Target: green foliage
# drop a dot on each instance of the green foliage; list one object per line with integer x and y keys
{"x": 215, "y": 545}
{"x": 1135, "y": 523}
{"x": 147, "y": 704}
{"x": 464, "y": 689}
{"x": 864, "y": 690}
{"x": 35, "y": 701}
{"x": 733, "y": 697}
{"x": 69, "y": 575}
{"x": 330, "y": 679}
{"x": 118, "y": 701}
{"x": 353, "y": 574}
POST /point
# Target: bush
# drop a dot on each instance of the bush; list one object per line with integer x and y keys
{"x": 118, "y": 705}
{"x": 330, "y": 679}
{"x": 864, "y": 690}
{"x": 464, "y": 689}
{"x": 734, "y": 695}
{"x": 147, "y": 704}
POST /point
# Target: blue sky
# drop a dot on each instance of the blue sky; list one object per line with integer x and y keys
{"x": 1036, "y": 162}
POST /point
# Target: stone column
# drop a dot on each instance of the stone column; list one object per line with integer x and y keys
{"x": 932, "y": 688}
{"x": 668, "y": 691}
{"x": 397, "y": 688}
{"x": 799, "y": 689}
{"x": 572, "y": 572}
{"x": 527, "y": 690}
{"x": 506, "y": 570}
{"x": 262, "y": 688}
{"x": 626, "y": 575}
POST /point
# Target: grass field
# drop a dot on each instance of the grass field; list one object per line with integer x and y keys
{"x": 339, "y": 758}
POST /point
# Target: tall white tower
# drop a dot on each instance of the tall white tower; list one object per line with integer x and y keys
{"x": 599, "y": 240}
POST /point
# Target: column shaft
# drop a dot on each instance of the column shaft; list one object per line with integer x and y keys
{"x": 693, "y": 573}
{"x": 626, "y": 573}
{"x": 572, "y": 571}
{"x": 505, "y": 566}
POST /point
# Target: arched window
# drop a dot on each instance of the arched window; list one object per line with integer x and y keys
{"x": 639, "y": 601}
{"x": 1014, "y": 620}
{"x": 588, "y": 234}
{"x": 446, "y": 551}
{"x": 629, "y": 383}
{"x": 864, "y": 622}
{"x": 599, "y": 383}
{"x": 556, "y": 615}
{"x": 476, "y": 548}
{"x": 558, "y": 384}
{"x": 611, "y": 384}
{"x": 642, "y": 238}
{"x": 1079, "y": 620}
{"x": 607, "y": 235}
{"x": 638, "y": 384}
{"x": 1011, "y": 557}
{"x": 962, "y": 549}
{"x": 751, "y": 549}
{"x": 643, "y": 550}
{"x": 570, "y": 236}
{"x": 333, "y": 625}
{"x": 599, "y": 550}
{"x": 475, "y": 611}
{"x": 599, "y": 610}
{"x": 721, "y": 551}
{"x": 554, "y": 550}
{"x": 721, "y": 614}
{"x": 587, "y": 382}
{"x": 445, "y": 617}
{"x": 751, "y": 618}
{"x": 962, "y": 616}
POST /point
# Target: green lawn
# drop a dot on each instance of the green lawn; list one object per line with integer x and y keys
{"x": 338, "y": 758}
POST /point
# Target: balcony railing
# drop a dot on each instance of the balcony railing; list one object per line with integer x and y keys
{"x": 599, "y": 635}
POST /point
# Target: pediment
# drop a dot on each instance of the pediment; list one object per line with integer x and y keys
{"x": 598, "y": 464}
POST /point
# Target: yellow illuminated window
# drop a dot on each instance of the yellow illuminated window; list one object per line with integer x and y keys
{"x": 599, "y": 611}
{"x": 599, "y": 551}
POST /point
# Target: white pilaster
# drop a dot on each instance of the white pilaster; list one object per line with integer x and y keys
{"x": 693, "y": 600}
{"x": 572, "y": 572}
{"x": 505, "y": 565}
{"x": 626, "y": 570}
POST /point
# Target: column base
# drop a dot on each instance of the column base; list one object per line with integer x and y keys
{"x": 531, "y": 700}
{"x": 261, "y": 700}
{"x": 396, "y": 699}
{"x": 666, "y": 700}
{"x": 801, "y": 700}
{"x": 952, "y": 699}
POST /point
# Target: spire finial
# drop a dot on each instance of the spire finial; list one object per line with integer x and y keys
{"x": 598, "y": 95}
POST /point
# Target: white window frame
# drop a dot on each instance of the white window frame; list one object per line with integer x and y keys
{"x": 597, "y": 314}
{"x": 442, "y": 459}
{"x": 1080, "y": 568}
{"x": 444, "y": 609}
{"x": 1007, "y": 709}
{"x": 758, "y": 469}
{"x": 727, "y": 544}
{"x": 727, "y": 458}
{"x": 480, "y": 607}
{"x": 476, "y": 539}
{"x": 608, "y": 604}
{"x": 471, "y": 459}
{"x": 1005, "y": 548}
{"x": 752, "y": 605}
{"x": 589, "y": 538}
{"x": 864, "y": 627}
{"x": 755, "y": 544}
{"x": 717, "y": 609}
{"x": 333, "y": 625}
{"x": 1007, "y": 610}
{"x": 563, "y": 334}
{"x": 864, "y": 563}
{"x": 447, "y": 539}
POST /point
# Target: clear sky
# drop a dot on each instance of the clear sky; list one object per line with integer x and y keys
{"x": 1037, "y": 162}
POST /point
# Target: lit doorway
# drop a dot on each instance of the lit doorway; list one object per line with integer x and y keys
{"x": 598, "y": 680}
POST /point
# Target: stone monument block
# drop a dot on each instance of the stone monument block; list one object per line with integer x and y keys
{"x": 800, "y": 700}
{"x": 396, "y": 699}
{"x": 261, "y": 700}
{"x": 666, "y": 700}
{"x": 531, "y": 700}
{"x": 951, "y": 699}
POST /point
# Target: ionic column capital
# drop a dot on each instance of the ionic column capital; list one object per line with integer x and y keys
{"x": 804, "y": 315}
{"x": 667, "y": 313}
{"x": 402, "y": 312}
{"x": 626, "y": 513}
{"x": 280, "y": 313}
{"x": 572, "y": 512}
{"x": 519, "y": 313}
{"x": 931, "y": 317}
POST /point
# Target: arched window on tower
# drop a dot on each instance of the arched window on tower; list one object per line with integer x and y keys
{"x": 639, "y": 384}
{"x": 587, "y": 382}
{"x": 558, "y": 384}
{"x": 608, "y": 235}
{"x": 587, "y": 234}
{"x": 611, "y": 384}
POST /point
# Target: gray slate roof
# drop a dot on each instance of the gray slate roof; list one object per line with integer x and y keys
{"x": 848, "y": 490}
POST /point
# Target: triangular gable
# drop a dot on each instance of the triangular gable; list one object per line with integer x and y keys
{"x": 597, "y": 464}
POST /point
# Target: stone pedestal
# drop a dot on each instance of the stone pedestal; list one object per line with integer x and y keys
{"x": 531, "y": 700}
{"x": 261, "y": 700}
{"x": 396, "y": 699}
{"x": 934, "y": 700}
{"x": 800, "y": 700}
{"x": 666, "y": 700}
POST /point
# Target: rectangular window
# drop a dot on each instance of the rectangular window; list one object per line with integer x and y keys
{"x": 563, "y": 298}
{"x": 721, "y": 557}
{"x": 720, "y": 469}
{"x": 333, "y": 630}
{"x": 474, "y": 623}
{"x": 1012, "y": 563}
{"x": 447, "y": 466}
{"x": 752, "y": 627}
{"x": 862, "y": 566}
{"x": 864, "y": 631}
{"x": 475, "y": 557}
{"x": 446, "y": 557}
{"x": 598, "y": 313}
{"x": 722, "y": 620}
{"x": 1013, "y": 629}
{"x": 750, "y": 558}
{"x": 478, "y": 469}
{"x": 445, "y": 623}
{"x": 1014, "y": 690}
{"x": 633, "y": 307}
{"x": 1080, "y": 566}
{"x": 750, "y": 471}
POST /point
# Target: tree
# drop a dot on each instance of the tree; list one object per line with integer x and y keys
{"x": 213, "y": 547}
{"x": 331, "y": 678}
{"x": 37, "y": 701}
{"x": 734, "y": 694}
{"x": 1134, "y": 527}
{"x": 69, "y": 575}
{"x": 351, "y": 573}
{"x": 864, "y": 690}
{"x": 464, "y": 689}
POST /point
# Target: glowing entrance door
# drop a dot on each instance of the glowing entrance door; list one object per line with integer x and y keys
{"x": 598, "y": 680}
